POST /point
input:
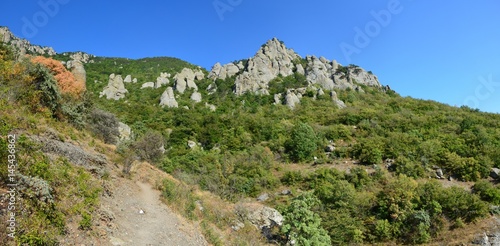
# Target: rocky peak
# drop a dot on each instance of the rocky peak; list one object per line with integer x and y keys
{"x": 23, "y": 46}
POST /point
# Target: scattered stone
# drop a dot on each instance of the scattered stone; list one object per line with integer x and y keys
{"x": 286, "y": 192}
{"x": 439, "y": 173}
{"x": 196, "y": 97}
{"x": 125, "y": 131}
{"x": 238, "y": 225}
{"x": 134, "y": 80}
{"x": 495, "y": 173}
{"x": 148, "y": 85}
{"x": 263, "y": 197}
{"x": 191, "y": 144}
{"x": 291, "y": 99}
{"x": 168, "y": 98}
{"x": 329, "y": 148}
{"x": 115, "y": 88}
{"x": 211, "y": 107}
{"x": 128, "y": 79}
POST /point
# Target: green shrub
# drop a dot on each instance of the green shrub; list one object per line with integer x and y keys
{"x": 303, "y": 226}
{"x": 368, "y": 151}
{"x": 302, "y": 142}
{"x": 487, "y": 191}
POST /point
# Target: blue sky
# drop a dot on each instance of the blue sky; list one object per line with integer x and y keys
{"x": 443, "y": 51}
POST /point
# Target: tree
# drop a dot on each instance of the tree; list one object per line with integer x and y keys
{"x": 302, "y": 226}
{"x": 302, "y": 142}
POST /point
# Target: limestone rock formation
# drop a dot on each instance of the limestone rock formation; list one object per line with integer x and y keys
{"x": 23, "y": 46}
{"x": 274, "y": 59}
{"x": 260, "y": 216}
{"x": 128, "y": 79}
{"x": 148, "y": 85}
{"x": 336, "y": 100}
{"x": 162, "y": 80}
{"x": 134, "y": 80}
{"x": 271, "y": 60}
{"x": 76, "y": 67}
{"x": 196, "y": 97}
{"x": 115, "y": 88}
{"x": 186, "y": 80}
{"x": 168, "y": 98}
{"x": 223, "y": 72}
{"x": 81, "y": 57}
{"x": 125, "y": 131}
{"x": 291, "y": 99}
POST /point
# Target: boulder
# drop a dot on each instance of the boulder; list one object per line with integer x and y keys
{"x": 211, "y": 107}
{"x": 263, "y": 197}
{"x": 115, "y": 88}
{"x": 439, "y": 173}
{"x": 148, "y": 85}
{"x": 329, "y": 148}
{"x": 161, "y": 81}
{"x": 124, "y": 131}
{"x": 168, "y": 98}
{"x": 128, "y": 79}
{"x": 196, "y": 97}
{"x": 340, "y": 104}
{"x": 260, "y": 216}
{"x": 134, "y": 80}
{"x": 77, "y": 69}
{"x": 495, "y": 173}
{"x": 291, "y": 99}
{"x": 222, "y": 72}
{"x": 191, "y": 144}
{"x": 185, "y": 80}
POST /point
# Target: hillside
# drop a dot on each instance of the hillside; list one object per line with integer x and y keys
{"x": 272, "y": 149}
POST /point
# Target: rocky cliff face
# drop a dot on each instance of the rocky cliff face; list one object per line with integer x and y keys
{"x": 23, "y": 46}
{"x": 274, "y": 59}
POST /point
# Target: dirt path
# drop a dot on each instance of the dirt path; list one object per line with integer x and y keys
{"x": 140, "y": 218}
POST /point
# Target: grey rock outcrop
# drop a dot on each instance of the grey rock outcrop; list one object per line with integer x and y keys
{"x": 148, "y": 85}
{"x": 168, "y": 98}
{"x": 134, "y": 80}
{"x": 222, "y": 72}
{"x": 291, "y": 99}
{"x": 340, "y": 104}
{"x": 115, "y": 88}
{"x": 196, "y": 97}
{"x": 124, "y": 131}
{"x": 75, "y": 154}
{"x": 128, "y": 79}
{"x": 81, "y": 57}
{"x": 186, "y": 80}
{"x": 162, "y": 80}
{"x": 271, "y": 60}
{"x": 23, "y": 46}
{"x": 77, "y": 69}
{"x": 260, "y": 216}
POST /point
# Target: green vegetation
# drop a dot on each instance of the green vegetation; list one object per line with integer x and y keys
{"x": 249, "y": 146}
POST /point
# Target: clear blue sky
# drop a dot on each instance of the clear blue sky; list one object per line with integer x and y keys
{"x": 427, "y": 49}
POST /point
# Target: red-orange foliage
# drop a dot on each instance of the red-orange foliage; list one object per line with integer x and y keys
{"x": 66, "y": 81}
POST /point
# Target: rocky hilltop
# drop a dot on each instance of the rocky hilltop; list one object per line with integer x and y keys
{"x": 274, "y": 59}
{"x": 23, "y": 46}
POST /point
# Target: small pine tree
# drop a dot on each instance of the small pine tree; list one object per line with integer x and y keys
{"x": 302, "y": 226}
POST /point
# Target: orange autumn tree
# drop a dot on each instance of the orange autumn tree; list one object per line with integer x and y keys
{"x": 66, "y": 81}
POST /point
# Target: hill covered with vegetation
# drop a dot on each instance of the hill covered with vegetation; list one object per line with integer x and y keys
{"x": 383, "y": 169}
